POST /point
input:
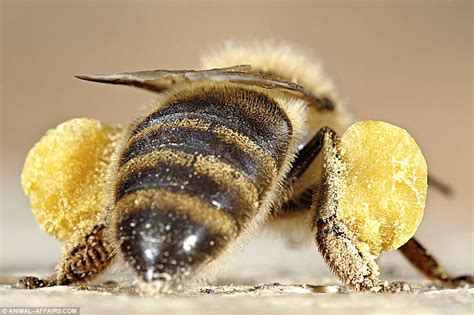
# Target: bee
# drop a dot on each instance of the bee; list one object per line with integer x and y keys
{"x": 222, "y": 152}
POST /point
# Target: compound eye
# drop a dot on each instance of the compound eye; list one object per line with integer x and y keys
{"x": 166, "y": 245}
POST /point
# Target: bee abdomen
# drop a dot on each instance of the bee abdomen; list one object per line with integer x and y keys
{"x": 246, "y": 112}
{"x": 224, "y": 145}
{"x": 164, "y": 232}
{"x": 193, "y": 175}
{"x": 199, "y": 137}
{"x": 201, "y": 176}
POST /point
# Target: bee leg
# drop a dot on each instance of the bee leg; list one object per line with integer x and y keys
{"x": 426, "y": 264}
{"x": 306, "y": 156}
{"x": 413, "y": 251}
{"x": 349, "y": 259}
{"x": 439, "y": 185}
{"x": 331, "y": 239}
{"x": 35, "y": 283}
{"x": 87, "y": 259}
{"x": 80, "y": 263}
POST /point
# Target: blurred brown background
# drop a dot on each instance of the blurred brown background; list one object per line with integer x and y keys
{"x": 408, "y": 63}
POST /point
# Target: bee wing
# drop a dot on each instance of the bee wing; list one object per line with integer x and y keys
{"x": 161, "y": 80}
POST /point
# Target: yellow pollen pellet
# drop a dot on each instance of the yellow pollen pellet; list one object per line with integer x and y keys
{"x": 65, "y": 175}
{"x": 384, "y": 184}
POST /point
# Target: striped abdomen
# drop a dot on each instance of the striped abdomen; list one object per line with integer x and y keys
{"x": 193, "y": 174}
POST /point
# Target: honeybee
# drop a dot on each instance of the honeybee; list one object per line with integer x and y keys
{"x": 222, "y": 152}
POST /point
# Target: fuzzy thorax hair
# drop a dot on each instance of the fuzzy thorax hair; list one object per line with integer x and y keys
{"x": 286, "y": 62}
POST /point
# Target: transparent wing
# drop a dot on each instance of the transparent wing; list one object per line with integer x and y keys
{"x": 161, "y": 80}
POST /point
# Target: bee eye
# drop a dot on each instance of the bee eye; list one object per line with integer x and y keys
{"x": 165, "y": 245}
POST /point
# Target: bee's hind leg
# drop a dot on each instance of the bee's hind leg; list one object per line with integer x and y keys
{"x": 341, "y": 252}
{"x": 349, "y": 260}
{"x": 305, "y": 157}
{"x": 81, "y": 262}
{"x": 31, "y": 282}
{"x": 426, "y": 264}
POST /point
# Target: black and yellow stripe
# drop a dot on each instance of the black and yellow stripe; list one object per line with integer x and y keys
{"x": 199, "y": 165}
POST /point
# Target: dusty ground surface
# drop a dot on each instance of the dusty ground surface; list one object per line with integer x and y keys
{"x": 113, "y": 298}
